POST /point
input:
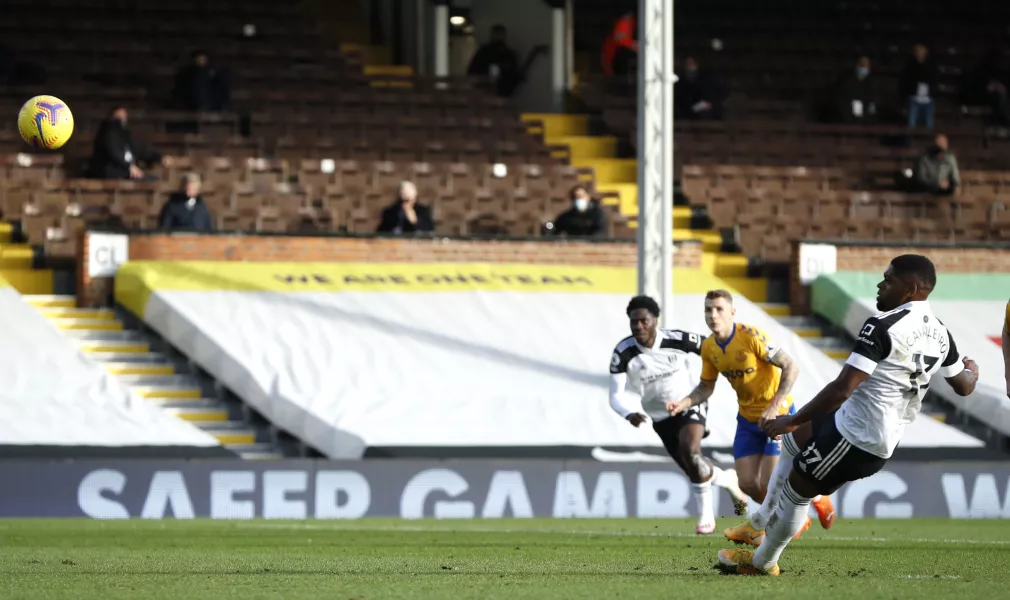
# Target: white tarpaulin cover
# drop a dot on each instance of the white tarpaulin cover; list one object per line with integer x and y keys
{"x": 53, "y": 395}
{"x": 360, "y": 355}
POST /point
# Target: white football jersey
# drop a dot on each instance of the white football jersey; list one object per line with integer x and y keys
{"x": 901, "y": 350}
{"x": 656, "y": 374}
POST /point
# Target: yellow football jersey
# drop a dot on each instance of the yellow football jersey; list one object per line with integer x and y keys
{"x": 743, "y": 360}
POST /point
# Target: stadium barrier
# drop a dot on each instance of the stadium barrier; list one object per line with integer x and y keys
{"x": 306, "y": 489}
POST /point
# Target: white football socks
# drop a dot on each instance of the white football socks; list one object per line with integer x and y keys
{"x": 703, "y": 496}
{"x": 788, "y": 520}
{"x": 759, "y": 520}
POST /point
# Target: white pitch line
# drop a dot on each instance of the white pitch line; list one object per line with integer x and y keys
{"x": 675, "y": 534}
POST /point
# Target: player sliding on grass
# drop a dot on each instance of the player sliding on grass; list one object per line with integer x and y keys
{"x": 857, "y": 420}
{"x": 762, "y": 375}
{"x": 651, "y": 364}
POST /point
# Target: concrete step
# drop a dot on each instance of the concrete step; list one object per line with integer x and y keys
{"x": 131, "y": 357}
{"x": 121, "y": 335}
{"x": 197, "y": 401}
{"x": 754, "y": 289}
{"x": 114, "y": 346}
{"x": 86, "y": 325}
{"x": 805, "y": 327}
{"x": 167, "y": 392}
{"x": 730, "y": 265}
{"x": 78, "y": 313}
{"x": 199, "y": 414}
{"x": 256, "y": 451}
{"x": 775, "y": 310}
{"x": 139, "y": 368}
{"x": 230, "y": 432}
{"x": 556, "y": 125}
{"x": 50, "y": 300}
{"x": 584, "y": 147}
{"x": 609, "y": 171}
{"x": 169, "y": 380}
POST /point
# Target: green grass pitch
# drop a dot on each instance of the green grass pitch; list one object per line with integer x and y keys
{"x": 514, "y": 558}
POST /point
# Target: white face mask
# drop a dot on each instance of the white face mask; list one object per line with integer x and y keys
{"x": 581, "y": 204}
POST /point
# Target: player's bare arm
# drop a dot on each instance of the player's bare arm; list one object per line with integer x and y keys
{"x": 790, "y": 373}
{"x": 825, "y": 402}
{"x": 964, "y": 382}
{"x": 700, "y": 395}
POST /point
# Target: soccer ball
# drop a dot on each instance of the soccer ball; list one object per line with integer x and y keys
{"x": 45, "y": 122}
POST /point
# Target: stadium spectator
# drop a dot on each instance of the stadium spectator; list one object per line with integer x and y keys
{"x": 584, "y": 219}
{"x": 620, "y": 49}
{"x": 497, "y": 60}
{"x": 917, "y": 86}
{"x": 405, "y": 215}
{"x": 115, "y": 154}
{"x": 186, "y": 209}
{"x": 936, "y": 170}
{"x": 857, "y": 94}
{"x": 200, "y": 86}
{"x": 698, "y": 94}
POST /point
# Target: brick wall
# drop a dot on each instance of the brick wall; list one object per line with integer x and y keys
{"x": 98, "y": 291}
{"x": 947, "y": 259}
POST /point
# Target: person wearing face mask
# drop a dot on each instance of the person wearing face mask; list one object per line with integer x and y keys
{"x": 584, "y": 219}
{"x": 116, "y": 155}
{"x": 856, "y": 96}
{"x": 186, "y": 209}
{"x": 698, "y": 94}
{"x": 405, "y": 215}
{"x": 936, "y": 171}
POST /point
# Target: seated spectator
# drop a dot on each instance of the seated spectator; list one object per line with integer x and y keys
{"x": 497, "y": 60}
{"x": 620, "y": 49}
{"x": 917, "y": 87}
{"x": 115, "y": 154}
{"x": 698, "y": 94}
{"x": 584, "y": 219}
{"x": 936, "y": 171}
{"x": 200, "y": 86}
{"x": 186, "y": 209}
{"x": 405, "y": 215}
{"x": 857, "y": 94}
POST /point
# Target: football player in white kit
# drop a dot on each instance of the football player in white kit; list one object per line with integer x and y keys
{"x": 856, "y": 421}
{"x": 651, "y": 366}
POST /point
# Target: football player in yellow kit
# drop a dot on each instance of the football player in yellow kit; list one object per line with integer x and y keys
{"x": 762, "y": 375}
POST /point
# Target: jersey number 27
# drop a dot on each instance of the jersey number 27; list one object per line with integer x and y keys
{"x": 923, "y": 365}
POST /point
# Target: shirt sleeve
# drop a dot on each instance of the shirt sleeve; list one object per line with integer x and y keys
{"x": 618, "y": 364}
{"x": 951, "y": 366}
{"x": 872, "y": 346}
{"x": 763, "y": 346}
{"x": 618, "y": 394}
{"x": 708, "y": 370}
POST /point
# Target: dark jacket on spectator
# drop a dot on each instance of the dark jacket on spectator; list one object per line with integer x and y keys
{"x": 916, "y": 72}
{"x": 704, "y": 86}
{"x": 575, "y": 223}
{"x": 850, "y": 88}
{"x": 115, "y": 150}
{"x": 394, "y": 221}
{"x": 504, "y": 58}
{"x": 181, "y": 212}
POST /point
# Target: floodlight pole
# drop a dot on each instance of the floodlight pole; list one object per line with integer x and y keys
{"x": 655, "y": 153}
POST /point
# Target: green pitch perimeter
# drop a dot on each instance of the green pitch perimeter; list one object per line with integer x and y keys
{"x": 488, "y": 559}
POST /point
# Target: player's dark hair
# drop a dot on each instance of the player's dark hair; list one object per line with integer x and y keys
{"x": 643, "y": 302}
{"x": 916, "y": 265}
{"x": 713, "y": 294}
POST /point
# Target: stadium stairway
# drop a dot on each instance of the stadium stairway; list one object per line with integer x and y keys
{"x": 153, "y": 374}
{"x": 616, "y": 179}
{"x": 16, "y": 265}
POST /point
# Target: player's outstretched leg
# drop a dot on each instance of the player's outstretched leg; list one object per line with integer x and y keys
{"x": 703, "y": 475}
{"x": 789, "y": 518}
{"x": 752, "y": 531}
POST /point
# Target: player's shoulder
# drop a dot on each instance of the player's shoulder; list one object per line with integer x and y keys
{"x": 890, "y": 320}
{"x": 625, "y": 350}
{"x": 678, "y": 339}
{"x": 747, "y": 332}
{"x": 626, "y": 346}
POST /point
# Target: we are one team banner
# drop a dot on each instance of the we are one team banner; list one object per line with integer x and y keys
{"x": 305, "y": 489}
